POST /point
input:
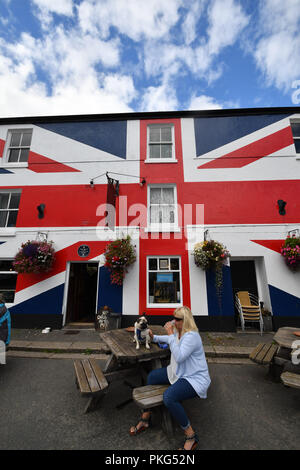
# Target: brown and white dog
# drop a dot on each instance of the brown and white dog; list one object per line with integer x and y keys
{"x": 141, "y": 332}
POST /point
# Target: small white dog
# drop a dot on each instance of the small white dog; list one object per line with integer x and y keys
{"x": 141, "y": 332}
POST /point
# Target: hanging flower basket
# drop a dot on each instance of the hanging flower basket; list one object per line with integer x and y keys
{"x": 119, "y": 255}
{"x": 211, "y": 255}
{"x": 34, "y": 257}
{"x": 290, "y": 250}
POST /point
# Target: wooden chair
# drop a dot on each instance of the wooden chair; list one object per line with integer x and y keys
{"x": 249, "y": 310}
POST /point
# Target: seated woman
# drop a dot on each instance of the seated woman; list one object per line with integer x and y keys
{"x": 187, "y": 373}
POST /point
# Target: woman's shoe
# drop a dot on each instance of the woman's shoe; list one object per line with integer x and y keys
{"x": 195, "y": 438}
{"x": 141, "y": 428}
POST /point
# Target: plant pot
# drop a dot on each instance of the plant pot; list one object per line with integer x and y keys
{"x": 268, "y": 323}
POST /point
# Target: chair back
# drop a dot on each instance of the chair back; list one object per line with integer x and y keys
{"x": 244, "y": 297}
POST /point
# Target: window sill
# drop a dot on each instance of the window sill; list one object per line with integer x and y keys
{"x": 162, "y": 229}
{"x": 14, "y": 165}
{"x": 7, "y": 231}
{"x": 164, "y": 305}
{"x": 161, "y": 160}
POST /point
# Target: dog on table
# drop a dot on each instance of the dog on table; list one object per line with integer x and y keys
{"x": 141, "y": 332}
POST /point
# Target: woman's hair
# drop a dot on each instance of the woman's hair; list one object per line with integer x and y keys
{"x": 188, "y": 323}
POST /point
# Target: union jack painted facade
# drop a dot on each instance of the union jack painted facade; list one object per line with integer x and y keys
{"x": 233, "y": 164}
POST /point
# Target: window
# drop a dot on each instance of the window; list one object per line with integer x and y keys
{"x": 164, "y": 281}
{"x": 9, "y": 206}
{"x": 8, "y": 280}
{"x": 160, "y": 142}
{"x": 162, "y": 209}
{"x": 19, "y": 141}
{"x": 296, "y": 135}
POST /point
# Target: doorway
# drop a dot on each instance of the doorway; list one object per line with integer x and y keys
{"x": 243, "y": 277}
{"x": 82, "y": 292}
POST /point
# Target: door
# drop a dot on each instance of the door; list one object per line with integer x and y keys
{"x": 82, "y": 292}
{"x": 243, "y": 277}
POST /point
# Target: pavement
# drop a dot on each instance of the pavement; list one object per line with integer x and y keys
{"x": 71, "y": 342}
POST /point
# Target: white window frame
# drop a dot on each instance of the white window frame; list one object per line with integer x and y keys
{"x": 7, "y": 148}
{"x": 8, "y": 210}
{"x": 163, "y": 226}
{"x": 8, "y": 304}
{"x": 295, "y": 121}
{"x": 162, "y": 305}
{"x": 160, "y": 160}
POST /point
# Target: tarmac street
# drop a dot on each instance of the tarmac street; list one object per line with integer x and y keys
{"x": 42, "y": 409}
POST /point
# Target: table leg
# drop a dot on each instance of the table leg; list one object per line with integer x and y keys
{"x": 111, "y": 363}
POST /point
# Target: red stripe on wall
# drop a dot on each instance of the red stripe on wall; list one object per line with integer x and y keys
{"x": 2, "y": 145}
{"x": 61, "y": 257}
{"x": 252, "y": 152}
{"x": 274, "y": 245}
{"x": 40, "y": 164}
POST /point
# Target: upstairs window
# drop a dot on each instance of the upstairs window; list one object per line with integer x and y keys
{"x": 9, "y": 207}
{"x": 162, "y": 209}
{"x": 161, "y": 142}
{"x": 19, "y": 141}
{"x": 296, "y": 135}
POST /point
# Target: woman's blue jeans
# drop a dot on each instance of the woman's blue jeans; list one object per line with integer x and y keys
{"x": 179, "y": 391}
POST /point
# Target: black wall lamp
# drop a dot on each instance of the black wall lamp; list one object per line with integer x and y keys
{"x": 41, "y": 210}
{"x": 281, "y": 205}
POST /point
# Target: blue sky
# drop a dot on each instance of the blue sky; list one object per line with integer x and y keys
{"x": 112, "y": 56}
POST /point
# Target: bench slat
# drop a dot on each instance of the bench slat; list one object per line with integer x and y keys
{"x": 149, "y": 396}
{"x": 81, "y": 377}
{"x": 269, "y": 356}
{"x": 94, "y": 386}
{"x": 102, "y": 382}
{"x": 260, "y": 356}
{"x": 255, "y": 351}
{"x": 290, "y": 379}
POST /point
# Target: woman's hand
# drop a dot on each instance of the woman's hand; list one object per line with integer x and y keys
{"x": 169, "y": 327}
{"x": 150, "y": 333}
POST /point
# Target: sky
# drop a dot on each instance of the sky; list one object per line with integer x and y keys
{"x": 60, "y": 57}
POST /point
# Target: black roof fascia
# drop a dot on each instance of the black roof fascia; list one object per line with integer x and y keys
{"x": 150, "y": 115}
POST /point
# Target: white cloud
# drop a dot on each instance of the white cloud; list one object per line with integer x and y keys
{"x": 277, "y": 51}
{"x": 135, "y": 19}
{"x": 160, "y": 98}
{"x": 227, "y": 20}
{"x": 81, "y": 75}
{"x": 61, "y": 7}
{"x": 193, "y": 15}
{"x": 204, "y": 102}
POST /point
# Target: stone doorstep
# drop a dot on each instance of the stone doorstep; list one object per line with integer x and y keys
{"x": 51, "y": 355}
{"x": 58, "y": 346}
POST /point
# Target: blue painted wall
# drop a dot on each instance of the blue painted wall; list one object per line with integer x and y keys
{"x": 109, "y": 294}
{"x": 109, "y": 136}
{"x": 226, "y": 306}
{"x": 49, "y": 302}
{"x": 211, "y": 133}
{"x": 284, "y": 304}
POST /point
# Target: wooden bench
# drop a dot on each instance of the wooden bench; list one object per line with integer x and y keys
{"x": 290, "y": 379}
{"x": 263, "y": 353}
{"x": 91, "y": 381}
{"x": 151, "y": 396}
